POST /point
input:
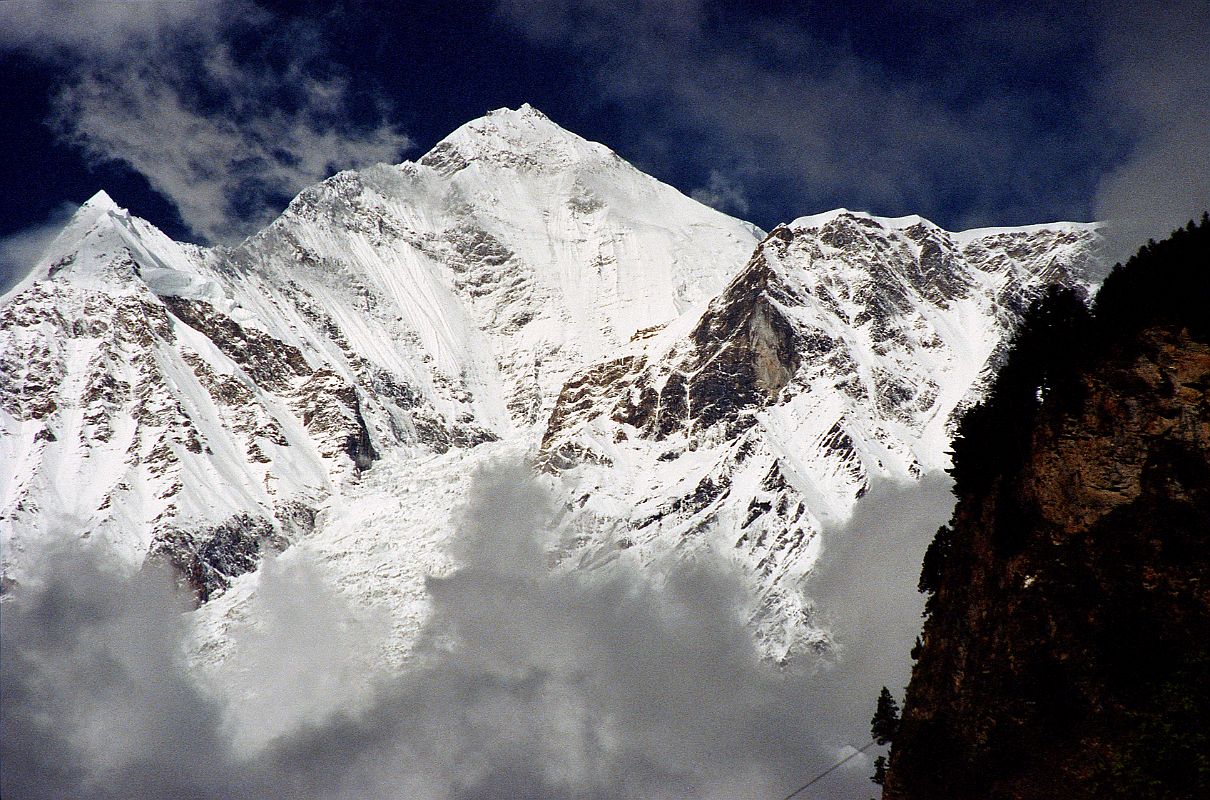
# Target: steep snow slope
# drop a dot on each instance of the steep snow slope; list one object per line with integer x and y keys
{"x": 122, "y": 419}
{"x": 507, "y": 256}
{"x": 210, "y": 400}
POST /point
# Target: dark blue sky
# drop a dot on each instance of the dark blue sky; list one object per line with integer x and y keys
{"x": 206, "y": 117}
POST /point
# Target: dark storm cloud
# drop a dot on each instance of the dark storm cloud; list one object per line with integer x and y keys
{"x": 224, "y": 108}
{"x": 527, "y": 681}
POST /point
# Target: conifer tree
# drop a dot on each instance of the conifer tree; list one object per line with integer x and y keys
{"x": 886, "y": 718}
{"x": 934, "y": 559}
{"x": 879, "y": 776}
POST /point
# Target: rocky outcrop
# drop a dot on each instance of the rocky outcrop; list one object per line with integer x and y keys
{"x": 1068, "y": 632}
{"x": 737, "y": 358}
{"x": 744, "y": 351}
{"x": 837, "y": 355}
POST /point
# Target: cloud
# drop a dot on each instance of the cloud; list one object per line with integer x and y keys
{"x": 20, "y": 250}
{"x": 48, "y": 28}
{"x": 97, "y": 699}
{"x": 529, "y": 680}
{"x": 864, "y": 587}
{"x": 1156, "y": 60}
{"x": 722, "y": 193}
{"x": 300, "y": 655}
{"x": 229, "y": 169}
{"x": 225, "y": 109}
{"x": 974, "y": 114}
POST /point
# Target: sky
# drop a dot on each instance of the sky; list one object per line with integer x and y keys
{"x": 207, "y": 116}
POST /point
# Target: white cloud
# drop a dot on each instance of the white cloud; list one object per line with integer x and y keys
{"x": 226, "y": 168}
{"x": 1156, "y": 61}
{"x": 225, "y": 133}
{"x": 808, "y": 119}
{"x": 87, "y": 28}
{"x": 1011, "y": 118}
{"x": 530, "y": 681}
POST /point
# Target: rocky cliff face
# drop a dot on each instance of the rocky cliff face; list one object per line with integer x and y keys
{"x": 1068, "y": 637}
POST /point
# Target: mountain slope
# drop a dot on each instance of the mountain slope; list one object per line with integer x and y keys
{"x": 839, "y": 354}
{"x": 429, "y": 305}
{"x": 330, "y": 383}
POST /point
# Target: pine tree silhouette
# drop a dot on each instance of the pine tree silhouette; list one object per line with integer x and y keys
{"x": 885, "y": 721}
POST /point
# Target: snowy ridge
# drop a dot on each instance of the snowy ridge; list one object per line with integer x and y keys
{"x": 328, "y": 385}
{"x": 841, "y": 352}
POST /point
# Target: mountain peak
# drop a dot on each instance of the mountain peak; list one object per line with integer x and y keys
{"x": 892, "y": 223}
{"x": 519, "y": 138}
{"x": 817, "y": 221}
{"x": 101, "y": 201}
{"x": 523, "y": 111}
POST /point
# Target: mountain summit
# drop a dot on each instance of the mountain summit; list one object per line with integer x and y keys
{"x": 330, "y": 383}
{"x": 524, "y": 138}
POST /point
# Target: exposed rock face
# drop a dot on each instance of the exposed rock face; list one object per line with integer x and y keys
{"x": 838, "y": 354}
{"x": 1068, "y": 639}
{"x": 116, "y": 388}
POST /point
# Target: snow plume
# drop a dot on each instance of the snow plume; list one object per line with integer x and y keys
{"x": 20, "y": 250}
{"x": 529, "y": 680}
{"x": 226, "y": 109}
{"x": 723, "y": 193}
{"x": 1157, "y": 59}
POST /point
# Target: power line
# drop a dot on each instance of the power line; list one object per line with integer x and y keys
{"x": 824, "y": 774}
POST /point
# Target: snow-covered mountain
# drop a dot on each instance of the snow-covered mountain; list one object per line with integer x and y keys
{"x": 330, "y": 383}
{"x": 839, "y": 354}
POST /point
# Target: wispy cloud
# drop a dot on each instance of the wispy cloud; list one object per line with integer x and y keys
{"x": 224, "y": 108}
{"x": 724, "y": 193}
{"x": 972, "y": 113}
{"x": 804, "y": 121}
{"x": 48, "y": 28}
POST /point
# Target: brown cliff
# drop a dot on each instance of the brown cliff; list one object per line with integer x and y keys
{"x": 1066, "y": 652}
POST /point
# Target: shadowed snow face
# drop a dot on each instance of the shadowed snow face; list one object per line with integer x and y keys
{"x": 528, "y": 681}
